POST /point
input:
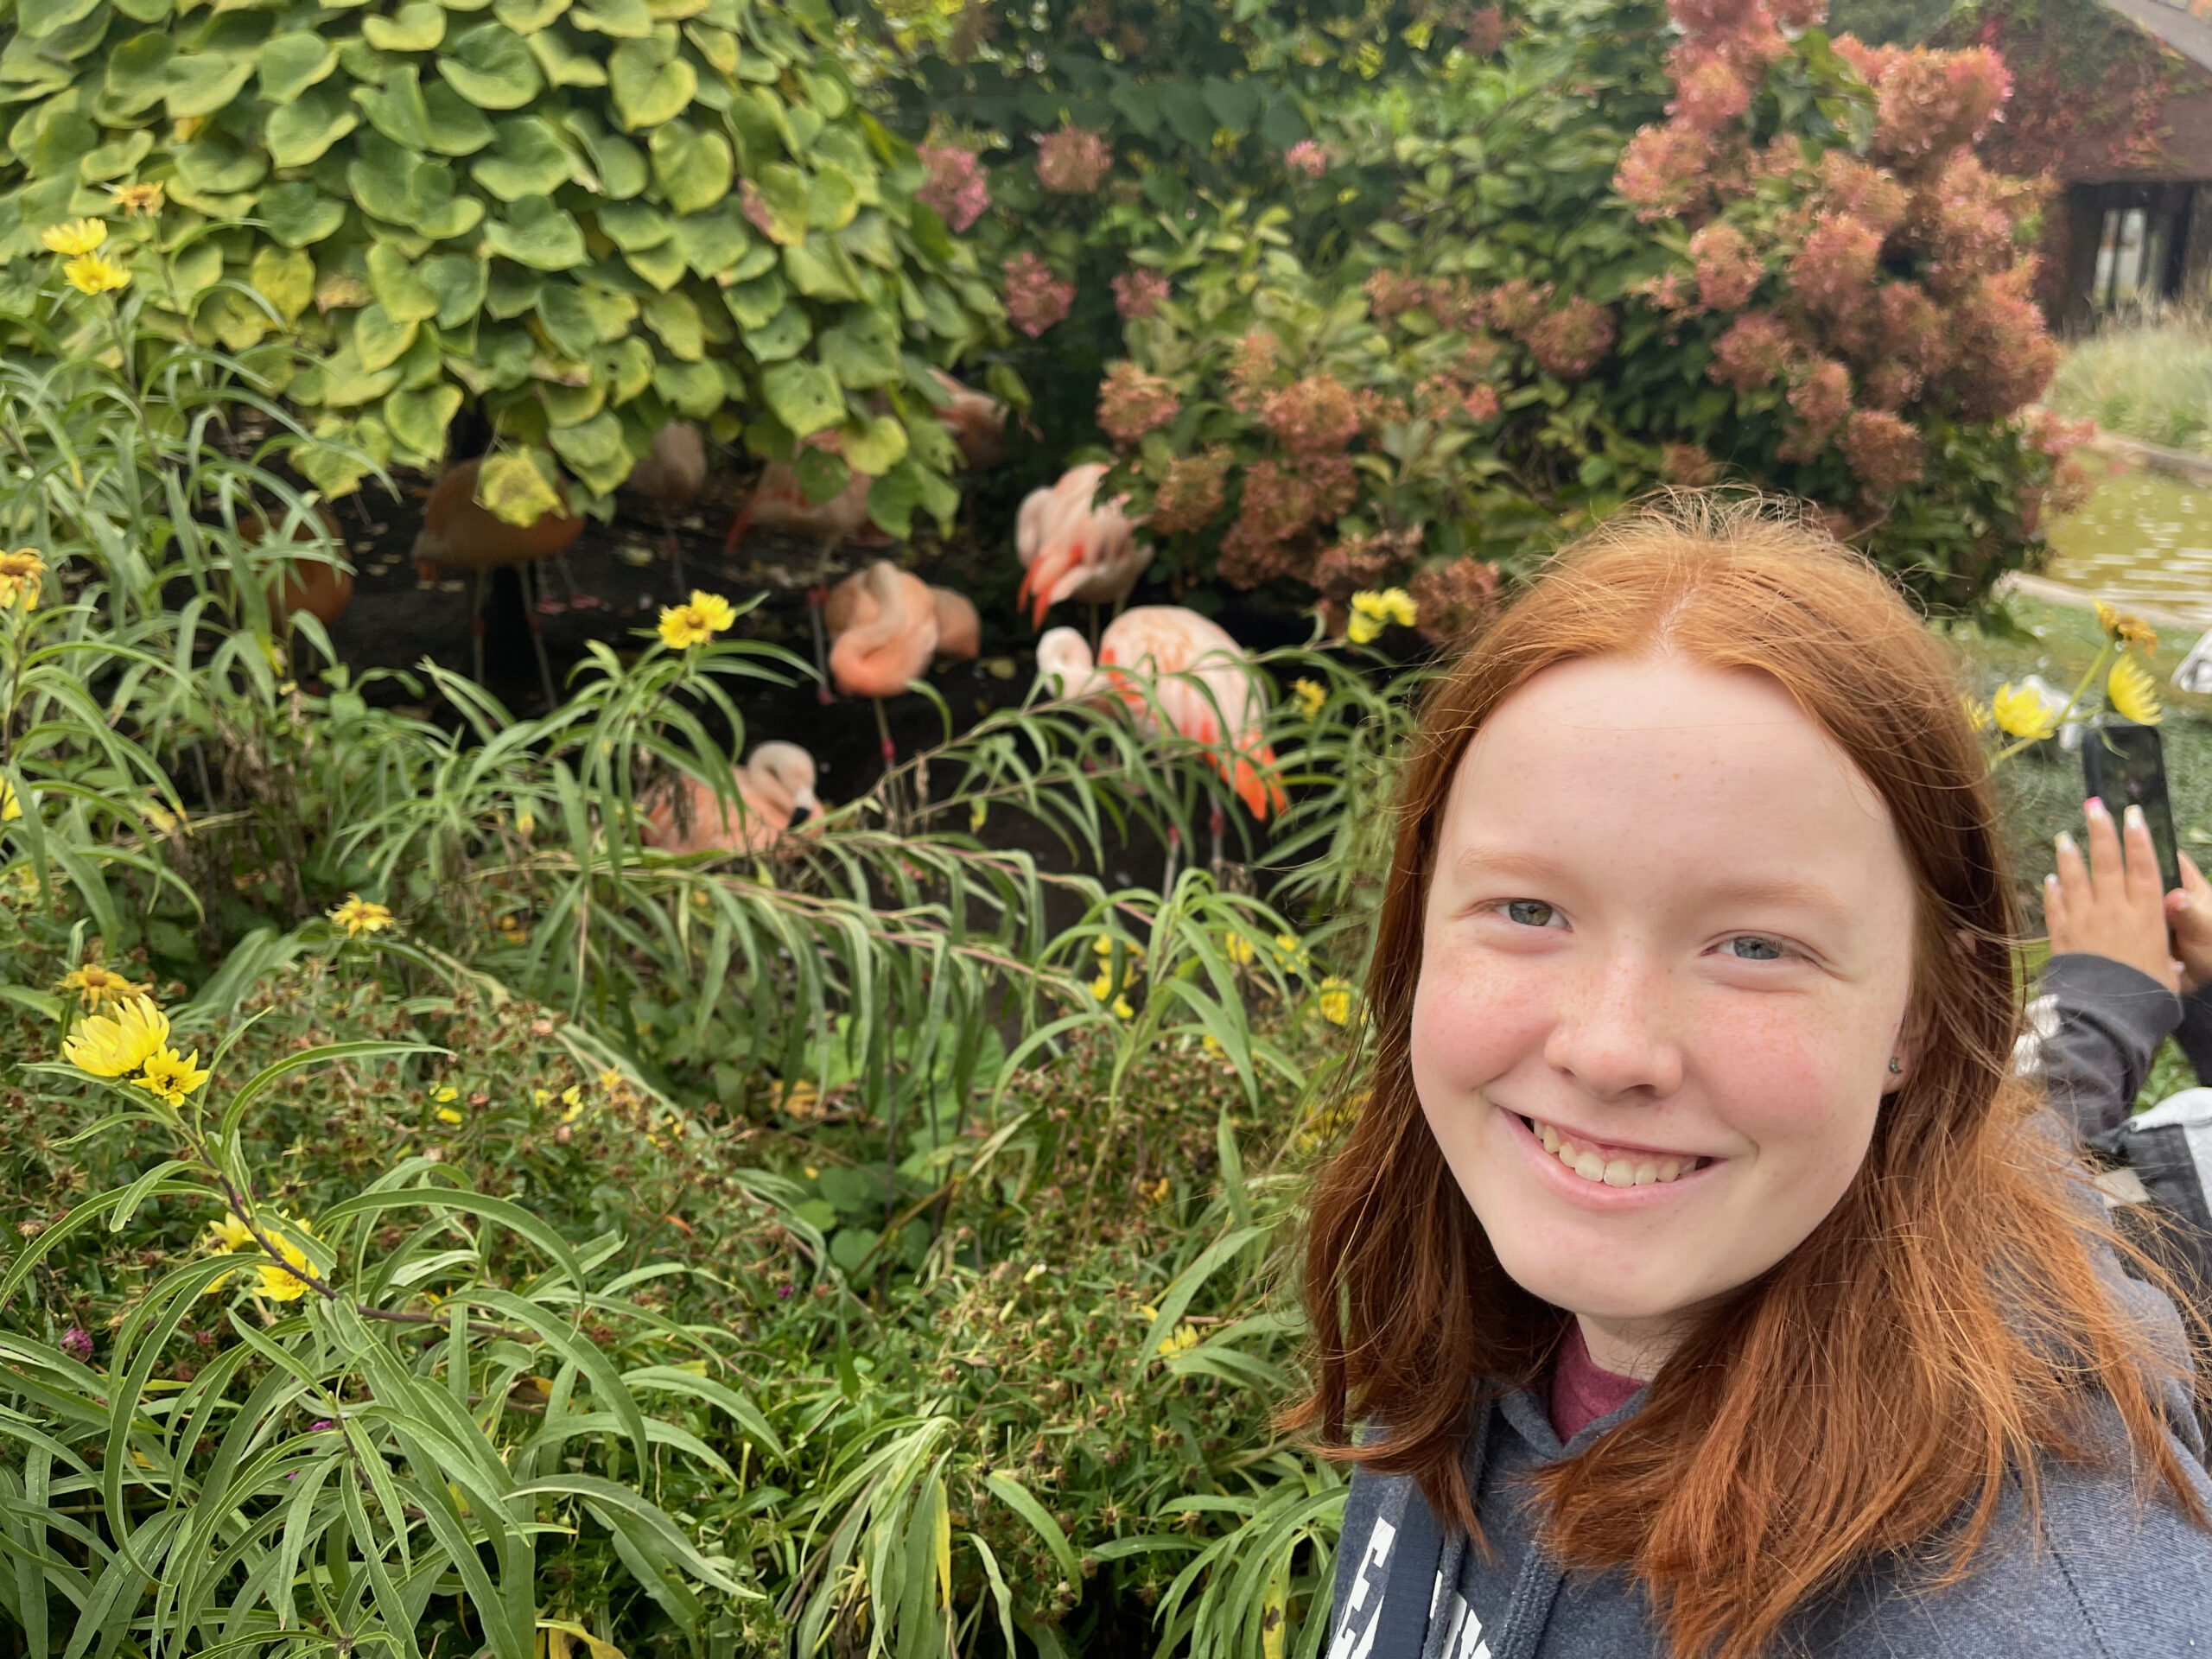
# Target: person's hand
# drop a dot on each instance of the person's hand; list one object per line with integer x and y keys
{"x": 2112, "y": 906}
{"x": 2188, "y": 914}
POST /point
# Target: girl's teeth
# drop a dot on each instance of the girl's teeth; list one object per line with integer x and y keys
{"x": 1594, "y": 1166}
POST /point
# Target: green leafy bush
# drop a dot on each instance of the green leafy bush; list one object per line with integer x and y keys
{"x": 593, "y": 218}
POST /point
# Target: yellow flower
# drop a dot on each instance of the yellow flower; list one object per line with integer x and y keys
{"x": 1977, "y": 712}
{"x": 2020, "y": 712}
{"x": 22, "y": 578}
{"x": 2132, "y": 691}
{"x": 95, "y": 273}
{"x": 1310, "y": 696}
{"x": 75, "y": 236}
{"x": 1290, "y": 954}
{"x": 171, "y": 1078}
{"x": 96, "y": 985}
{"x": 1185, "y": 1337}
{"x": 1239, "y": 949}
{"x": 573, "y": 1099}
{"x": 1123, "y": 1010}
{"x": 446, "y": 1115}
{"x": 114, "y": 1046}
{"x": 1372, "y": 610}
{"x": 231, "y": 1233}
{"x": 359, "y": 915}
{"x": 444, "y": 1094}
{"x": 11, "y": 806}
{"x": 136, "y": 198}
{"x": 1101, "y": 986}
{"x": 695, "y": 622}
{"x": 1335, "y": 999}
{"x": 611, "y": 1080}
{"x": 284, "y": 1283}
{"x": 2124, "y": 630}
{"x": 1155, "y": 1192}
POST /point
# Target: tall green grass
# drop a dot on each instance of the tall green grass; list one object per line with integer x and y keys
{"x": 2148, "y": 376}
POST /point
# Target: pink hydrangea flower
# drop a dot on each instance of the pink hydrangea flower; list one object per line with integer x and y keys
{"x": 1728, "y": 268}
{"x": 1035, "y": 299}
{"x": 959, "y": 186}
{"x": 1570, "y": 340}
{"x": 1664, "y": 168}
{"x": 1886, "y": 451}
{"x": 1132, "y": 402}
{"x": 1138, "y": 293}
{"x": 1751, "y": 353}
{"x": 1074, "y": 160}
{"x": 1307, "y": 156}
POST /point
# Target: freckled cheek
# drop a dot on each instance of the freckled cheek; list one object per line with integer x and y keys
{"x": 1474, "y": 1017}
{"x": 1787, "y": 1076}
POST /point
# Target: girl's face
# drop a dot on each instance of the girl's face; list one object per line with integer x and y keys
{"x": 1665, "y": 965}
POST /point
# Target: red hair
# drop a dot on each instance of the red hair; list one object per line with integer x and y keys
{"x": 1944, "y": 1328}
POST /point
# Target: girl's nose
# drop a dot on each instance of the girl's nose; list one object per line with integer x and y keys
{"x": 1614, "y": 1032}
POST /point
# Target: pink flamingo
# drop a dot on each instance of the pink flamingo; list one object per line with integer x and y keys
{"x": 1170, "y": 664}
{"x": 779, "y": 503}
{"x": 775, "y": 786}
{"x": 1073, "y": 549}
{"x": 959, "y": 630}
{"x": 976, "y": 420}
{"x": 889, "y": 636}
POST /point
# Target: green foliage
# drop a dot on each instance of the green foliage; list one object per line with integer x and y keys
{"x": 2144, "y": 376}
{"x": 590, "y": 219}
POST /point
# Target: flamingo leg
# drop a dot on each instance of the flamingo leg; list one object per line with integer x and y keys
{"x": 1174, "y": 849}
{"x": 578, "y": 600}
{"x": 1215, "y": 822}
{"x": 524, "y": 574}
{"x": 883, "y": 730}
{"x": 477, "y": 583}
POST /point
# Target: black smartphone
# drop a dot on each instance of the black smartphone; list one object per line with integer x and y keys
{"x": 2123, "y": 767}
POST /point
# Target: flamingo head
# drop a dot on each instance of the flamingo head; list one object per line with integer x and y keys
{"x": 1064, "y": 662}
{"x": 785, "y": 773}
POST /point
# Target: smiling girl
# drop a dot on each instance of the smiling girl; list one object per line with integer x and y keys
{"x": 1702, "y": 1282}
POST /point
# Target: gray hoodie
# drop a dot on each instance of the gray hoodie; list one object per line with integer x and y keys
{"x": 2096, "y": 1575}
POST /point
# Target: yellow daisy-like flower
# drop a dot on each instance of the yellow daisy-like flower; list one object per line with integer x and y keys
{"x": 94, "y": 273}
{"x": 446, "y": 1115}
{"x": 572, "y": 1098}
{"x": 1102, "y": 985}
{"x": 94, "y": 985}
{"x": 1185, "y": 1338}
{"x": 2019, "y": 712}
{"x": 230, "y": 1233}
{"x": 116, "y": 1045}
{"x": 136, "y": 198}
{"x": 359, "y": 915}
{"x": 11, "y": 806}
{"x": 2133, "y": 693}
{"x": 1372, "y": 610}
{"x": 281, "y": 1283}
{"x": 1240, "y": 949}
{"x": 1309, "y": 696}
{"x": 170, "y": 1078}
{"x": 22, "y": 578}
{"x": 74, "y": 235}
{"x": 1123, "y": 1010}
{"x": 445, "y": 1093}
{"x": 1335, "y": 999}
{"x": 695, "y": 621}
{"x": 2124, "y": 630}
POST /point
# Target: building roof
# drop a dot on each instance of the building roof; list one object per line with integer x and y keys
{"x": 2179, "y": 26}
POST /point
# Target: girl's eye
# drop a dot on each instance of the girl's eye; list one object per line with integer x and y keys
{"x": 1530, "y": 912}
{"x": 1753, "y": 947}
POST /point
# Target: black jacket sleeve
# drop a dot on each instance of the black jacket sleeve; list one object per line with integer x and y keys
{"x": 2195, "y": 1032}
{"x": 2092, "y": 1032}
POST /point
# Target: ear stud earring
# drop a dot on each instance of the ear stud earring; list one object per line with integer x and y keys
{"x": 1894, "y": 1067}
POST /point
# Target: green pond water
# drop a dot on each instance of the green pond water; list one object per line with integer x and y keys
{"x": 2144, "y": 537}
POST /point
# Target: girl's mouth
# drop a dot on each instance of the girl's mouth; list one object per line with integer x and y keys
{"x": 1608, "y": 1166}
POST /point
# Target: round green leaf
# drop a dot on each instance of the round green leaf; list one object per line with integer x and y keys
{"x": 419, "y": 26}
{"x": 832, "y": 199}
{"x": 138, "y": 74}
{"x": 627, "y": 366}
{"x": 803, "y": 396}
{"x": 419, "y": 419}
{"x": 650, "y": 84}
{"x": 755, "y": 303}
{"x": 490, "y": 66}
{"x": 397, "y": 109}
{"x": 694, "y": 168}
{"x": 531, "y": 161}
{"x": 564, "y": 66}
{"x": 303, "y": 132}
{"x": 713, "y": 242}
{"x": 514, "y": 488}
{"x": 292, "y": 62}
{"x": 535, "y": 232}
{"x": 39, "y": 18}
{"x": 458, "y": 282}
{"x": 676, "y": 319}
{"x": 784, "y": 336}
{"x": 527, "y": 16}
{"x": 379, "y": 336}
{"x": 661, "y": 264}
{"x": 630, "y": 20}
{"x": 456, "y": 126}
{"x": 298, "y": 214}
{"x": 874, "y": 445}
{"x": 399, "y": 288}
{"x": 210, "y": 166}
{"x": 567, "y": 321}
{"x": 113, "y": 161}
{"x": 284, "y": 278}
{"x": 862, "y": 350}
{"x": 594, "y": 451}
{"x": 692, "y": 390}
{"x": 634, "y": 225}
{"x": 201, "y": 83}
